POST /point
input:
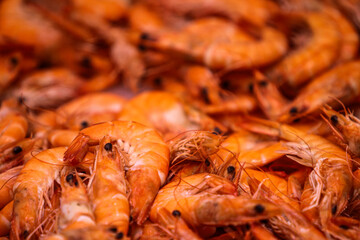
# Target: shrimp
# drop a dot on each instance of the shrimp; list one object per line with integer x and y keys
{"x": 346, "y": 127}
{"x": 10, "y": 66}
{"x": 226, "y": 47}
{"x": 23, "y": 24}
{"x": 257, "y": 12}
{"x": 108, "y": 188}
{"x": 342, "y": 83}
{"x": 316, "y": 56}
{"x": 5, "y": 219}
{"x": 33, "y": 183}
{"x": 61, "y": 137}
{"x": 167, "y": 114}
{"x": 205, "y": 199}
{"x": 89, "y": 233}
{"x": 12, "y": 154}
{"x": 7, "y": 181}
{"x": 291, "y": 224}
{"x": 13, "y": 128}
{"x": 75, "y": 208}
{"x": 146, "y": 153}
{"x": 88, "y": 110}
{"x": 330, "y": 181}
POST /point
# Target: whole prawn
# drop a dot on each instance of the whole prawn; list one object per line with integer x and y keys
{"x": 146, "y": 154}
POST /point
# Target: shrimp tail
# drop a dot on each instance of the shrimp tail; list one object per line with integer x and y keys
{"x": 77, "y": 150}
{"x": 142, "y": 183}
{"x": 261, "y": 126}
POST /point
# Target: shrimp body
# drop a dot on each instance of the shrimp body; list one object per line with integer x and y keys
{"x": 227, "y": 46}
{"x": 13, "y": 128}
{"x": 146, "y": 153}
{"x": 7, "y": 180}
{"x": 210, "y": 200}
{"x": 342, "y": 82}
{"x": 318, "y": 54}
{"x": 32, "y": 184}
{"x": 111, "y": 206}
{"x": 5, "y": 218}
{"x": 10, "y": 66}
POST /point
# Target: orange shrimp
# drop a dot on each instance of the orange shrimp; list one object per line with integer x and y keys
{"x": 257, "y": 12}
{"x": 5, "y": 218}
{"x": 10, "y": 66}
{"x": 345, "y": 127}
{"x": 167, "y": 114}
{"x": 227, "y": 46}
{"x": 108, "y": 189}
{"x": 13, "y": 128}
{"x": 206, "y": 199}
{"x": 23, "y": 24}
{"x": 316, "y": 56}
{"x": 7, "y": 181}
{"x": 330, "y": 181}
{"x": 75, "y": 208}
{"x": 61, "y": 137}
{"x": 88, "y": 110}
{"x": 146, "y": 153}
{"x": 342, "y": 82}
{"x": 291, "y": 224}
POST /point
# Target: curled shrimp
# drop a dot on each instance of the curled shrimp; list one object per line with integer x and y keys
{"x": 342, "y": 83}
{"x": 346, "y": 127}
{"x": 316, "y": 56}
{"x": 146, "y": 154}
{"x": 166, "y": 113}
{"x": 108, "y": 189}
{"x": 7, "y": 181}
{"x": 330, "y": 181}
{"x": 5, "y": 219}
{"x": 231, "y": 49}
{"x": 205, "y": 199}
{"x": 13, "y": 128}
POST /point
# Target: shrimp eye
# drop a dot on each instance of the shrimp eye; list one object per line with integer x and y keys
{"x": 84, "y": 124}
{"x": 145, "y": 36}
{"x": 25, "y": 233}
{"x": 217, "y": 131}
{"x": 344, "y": 227}
{"x": 251, "y": 87}
{"x": 141, "y": 47}
{"x": 69, "y": 178}
{"x": 263, "y": 83}
{"x": 21, "y": 100}
{"x": 247, "y": 226}
{"x": 86, "y": 62}
{"x": 119, "y": 235}
{"x": 334, "y": 119}
{"x": 259, "y": 208}
{"x": 205, "y": 95}
{"x": 14, "y": 61}
{"x": 207, "y": 162}
{"x": 108, "y": 147}
{"x": 130, "y": 218}
{"x": 334, "y": 209}
{"x": 231, "y": 169}
{"x": 293, "y": 110}
{"x": 158, "y": 81}
{"x": 113, "y": 229}
{"x": 225, "y": 85}
{"x": 176, "y": 213}
{"x": 17, "y": 150}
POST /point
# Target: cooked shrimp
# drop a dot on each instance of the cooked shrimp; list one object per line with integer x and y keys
{"x": 342, "y": 82}
{"x": 166, "y": 113}
{"x": 227, "y": 47}
{"x": 316, "y": 56}
{"x": 330, "y": 181}
{"x": 146, "y": 154}
{"x": 346, "y": 127}
{"x": 7, "y": 181}
{"x": 9, "y": 68}
{"x": 61, "y": 137}
{"x": 5, "y": 218}
{"x": 30, "y": 188}
{"x": 23, "y": 24}
{"x": 75, "y": 207}
{"x": 13, "y": 128}
{"x": 206, "y": 199}
{"x": 108, "y": 189}
{"x": 88, "y": 110}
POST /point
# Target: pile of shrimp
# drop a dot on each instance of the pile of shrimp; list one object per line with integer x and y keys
{"x": 179, "y": 119}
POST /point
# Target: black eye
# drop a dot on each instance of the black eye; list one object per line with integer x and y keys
{"x": 141, "y": 47}
{"x": 108, "y": 147}
{"x": 158, "y": 81}
{"x": 113, "y": 229}
{"x": 17, "y": 150}
{"x": 293, "y": 110}
{"x": 205, "y": 95}
{"x": 231, "y": 169}
{"x": 217, "y": 131}
{"x": 333, "y": 210}
{"x": 69, "y": 178}
{"x": 207, "y": 162}
{"x": 25, "y": 233}
{"x": 145, "y": 36}
{"x": 334, "y": 119}
{"x": 119, "y": 235}
{"x": 84, "y": 124}
{"x": 14, "y": 61}
{"x": 251, "y": 87}
{"x": 176, "y": 213}
{"x": 263, "y": 83}
{"x": 86, "y": 62}
{"x": 259, "y": 208}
